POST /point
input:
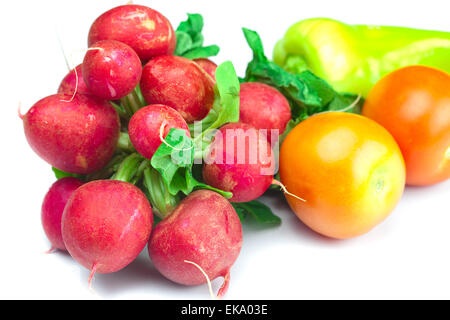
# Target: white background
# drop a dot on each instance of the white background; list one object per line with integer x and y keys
{"x": 405, "y": 257}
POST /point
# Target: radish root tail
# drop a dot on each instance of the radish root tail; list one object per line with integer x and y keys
{"x": 91, "y": 277}
{"x": 94, "y": 48}
{"x": 50, "y": 251}
{"x": 76, "y": 74}
{"x": 283, "y": 187}
{"x": 226, "y": 283}
{"x": 62, "y": 48}
{"x": 19, "y": 112}
{"x": 211, "y": 293}
{"x": 76, "y": 87}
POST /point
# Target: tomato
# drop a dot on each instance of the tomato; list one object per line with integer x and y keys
{"x": 413, "y": 104}
{"x": 349, "y": 170}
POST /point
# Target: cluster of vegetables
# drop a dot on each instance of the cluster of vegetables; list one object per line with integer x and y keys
{"x": 123, "y": 133}
{"x": 153, "y": 143}
{"x": 352, "y": 169}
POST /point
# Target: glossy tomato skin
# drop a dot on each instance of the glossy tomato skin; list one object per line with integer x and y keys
{"x": 349, "y": 170}
{"x": 413, "y": 104}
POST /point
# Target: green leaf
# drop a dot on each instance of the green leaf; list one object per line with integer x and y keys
{"x": 291, "y": 125}
{"x": 260, "y": 212}
{"x": 203, "y": 52}
{"x": 174, "y": 160}
{"x": 225, "y": 108}
{"x": 241, "y": 212}
{"x": 226, "y": 103}
{"x": 306, "y": 93}
{"x": 346, "y": 103}
{"x": 323, "y": 90}
{"x": 341, "y": 103}
{"x": 193, "y": 25}
{"x": 255, "y": 43}
{"x": 293, "y": 86}
{"x": 59, "y": 174}
{"x": 184, "y": 43}
{"x": 190, "y": 39}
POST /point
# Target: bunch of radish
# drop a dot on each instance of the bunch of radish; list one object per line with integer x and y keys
{"x": 126, "y": 134}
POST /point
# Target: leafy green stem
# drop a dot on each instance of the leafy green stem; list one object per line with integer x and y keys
{"x": 126, "y": 106}
{"x": 120, "y": 110}
{"x": 133, "y": 101}
{"x": 124, "y": 143}
{"x": 109, "y": 169}
{"x": 128, "y": 168}
{"x": 162, "y": 201}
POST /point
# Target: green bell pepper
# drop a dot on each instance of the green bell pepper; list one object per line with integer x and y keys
{"x": 353, "y": 58}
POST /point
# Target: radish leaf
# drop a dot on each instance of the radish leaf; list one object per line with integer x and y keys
{"x": 174, "y": 160}
{"x": 258, "y": 210}
{"x": 59, "y": 174}
{"x": 190, "y": 39}
{"x": 306, "y": 93}
{"x": 225, "y": 108}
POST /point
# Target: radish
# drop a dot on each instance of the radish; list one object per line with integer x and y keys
{"x": 208, "y": 66}
{"x": 106, "y": 224}
{"x": 178, "y": 83}
{"x": 240, "y": 160}
{"x": 145, "y": 30}
{"x": 203, "y": 229}
{"x": 52, "y": 209}
{"x": 264, "y": 107}
{"x": 111, "y": 69}
{"x": 76, "y": 134}
{"x": 151, "y": 124}
{"x": 73, "y": 83}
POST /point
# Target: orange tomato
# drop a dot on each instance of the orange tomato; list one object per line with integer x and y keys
{"x": 413, "y": 104}
{"x": 349, "y": 170}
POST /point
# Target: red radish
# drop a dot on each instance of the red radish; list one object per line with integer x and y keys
{"x": 111, "y": 69}
{"x": 74, "y": 134}
{"x": 106, "y": 224}
{"x": 73, "y": 83}
{"x": 203, "y": 229}
{"x": 151, "y": 124}
{"x": 147, "y": 31}
{"x": 53, "y": 206}
{"x": 240, "y": 160}
{"x": 178, "y": 83}
{"x": 207, "y": 65}
{"x": 263, "y": 107}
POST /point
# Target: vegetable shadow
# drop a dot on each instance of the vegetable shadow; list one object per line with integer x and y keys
{"x": 274, "y": 199}
{"x": 140, "y": 274}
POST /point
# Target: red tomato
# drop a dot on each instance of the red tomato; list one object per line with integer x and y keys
{"x": 413, "y": 104}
